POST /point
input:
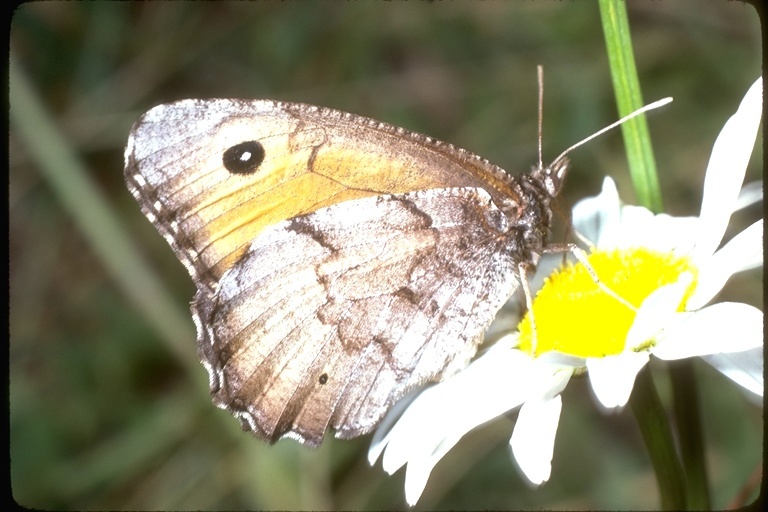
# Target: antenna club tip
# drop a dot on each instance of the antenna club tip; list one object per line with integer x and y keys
{"x": 654, "y": 105}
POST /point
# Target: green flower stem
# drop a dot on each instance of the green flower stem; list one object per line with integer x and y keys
{"x": 676, "y": 487}
{"x": 647, "y": 408}
{"x": 642, "y": 166}
{"x": 687, "y": 413}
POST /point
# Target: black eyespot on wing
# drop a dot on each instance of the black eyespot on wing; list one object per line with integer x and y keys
{"x": 323, "y": 378}
{"x": 244, "y": 158}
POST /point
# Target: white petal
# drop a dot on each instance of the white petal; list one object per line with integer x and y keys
{"x": 662, "y": 232}
{"x": 597, "y": 218}
{"x": 412, "y": 431}
{"x": 490, "y": 386}
{"x": 439, "y": 416}
{"x": 555, "y": 358}
{"x": 416, "y": 476}
{"x": 722, "y": 327}
{"x": 669, "y": 233}
{"x": 382, "y": 435}
{"x": 742, "y": 252}
{"x": 656, "y": 311}
{"x": 613, "y": 377}
{"x": 726, "y": 169}
{"x": 635, "y": 228}
{"x": 533, "y": 439}
{"x": 744, "y": 368}
{"x": 750, "y": 194}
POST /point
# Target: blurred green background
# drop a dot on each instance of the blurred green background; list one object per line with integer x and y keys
{"x": 109, "y": 407}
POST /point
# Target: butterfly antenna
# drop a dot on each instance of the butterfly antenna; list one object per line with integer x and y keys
{"x": 650, "y": 106}
{"x": 540, "y": 70}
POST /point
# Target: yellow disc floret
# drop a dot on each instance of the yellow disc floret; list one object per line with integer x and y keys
{"x": 574, "y": 315}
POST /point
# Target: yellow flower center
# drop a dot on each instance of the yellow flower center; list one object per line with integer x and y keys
{"x": 574, "y": 315}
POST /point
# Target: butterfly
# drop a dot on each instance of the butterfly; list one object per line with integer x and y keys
{"x": 340, "y": 262}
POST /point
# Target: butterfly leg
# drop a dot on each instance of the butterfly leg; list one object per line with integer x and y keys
{"x": 522, "y": 271}
{"x": 581, "y": 255}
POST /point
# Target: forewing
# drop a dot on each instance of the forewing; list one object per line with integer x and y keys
{"x": 313, "y": 157}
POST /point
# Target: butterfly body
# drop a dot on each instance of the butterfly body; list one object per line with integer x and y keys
{"x": 339, "y": 262}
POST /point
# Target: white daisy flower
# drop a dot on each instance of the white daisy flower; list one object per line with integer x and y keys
{"x": 660, "y": 273}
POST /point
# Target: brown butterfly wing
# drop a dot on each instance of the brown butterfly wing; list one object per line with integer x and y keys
{"x": 314, "y": 157}
{"x": 333, "y": 325}
{"x": 331, "y": 317}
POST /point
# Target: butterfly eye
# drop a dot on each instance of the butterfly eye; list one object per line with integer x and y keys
{"x": 323, "y": 378}
{"x": 244, "y": 158}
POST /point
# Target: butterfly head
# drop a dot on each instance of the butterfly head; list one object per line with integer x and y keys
{"x": 552, "y": 176}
